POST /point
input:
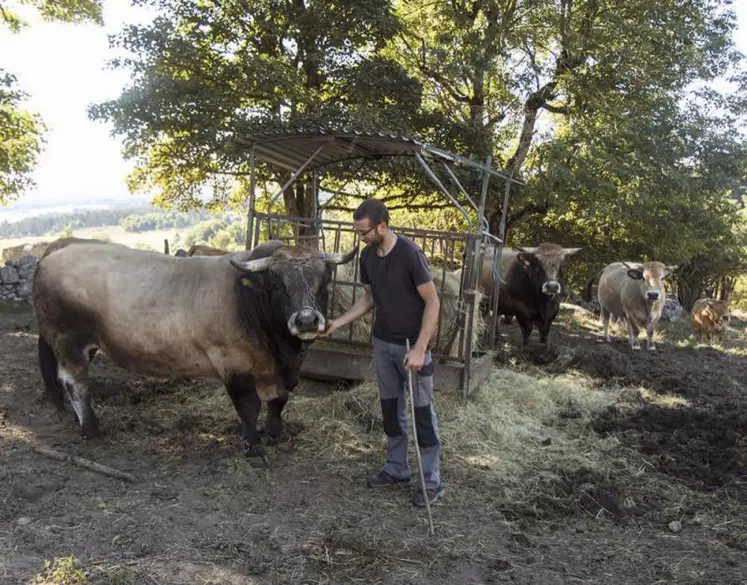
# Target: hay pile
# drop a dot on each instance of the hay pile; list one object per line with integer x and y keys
{"x": 521, "y": 438}
{"x": 453, "y": 308}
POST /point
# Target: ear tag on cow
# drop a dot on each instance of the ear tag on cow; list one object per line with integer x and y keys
{"x": 246, "y": 282}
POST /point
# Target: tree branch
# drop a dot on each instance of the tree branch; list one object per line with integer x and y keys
{"x": 556, "y": 109}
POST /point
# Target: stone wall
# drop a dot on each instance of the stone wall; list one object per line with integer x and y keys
{"x": 15, "y": 279}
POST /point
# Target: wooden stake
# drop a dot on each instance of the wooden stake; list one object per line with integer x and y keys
{"x": 432, "y": 531}
{"x": 87, "y": 463}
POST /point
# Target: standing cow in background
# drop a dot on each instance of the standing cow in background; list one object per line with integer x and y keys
{"x": 634, "y": 292}
{"x": 245, "y": 319}
{"x": 710, "y": 318}
{"x": 533, "y": 284}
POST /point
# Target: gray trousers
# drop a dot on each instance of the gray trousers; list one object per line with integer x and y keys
{"x": 392, "y": 379}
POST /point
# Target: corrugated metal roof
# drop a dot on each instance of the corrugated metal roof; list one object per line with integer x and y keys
{"x": 292, "y": 149}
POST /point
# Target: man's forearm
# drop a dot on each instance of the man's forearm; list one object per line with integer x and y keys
{"x": 428, "y": 326}
{"x": 362, "y": 306}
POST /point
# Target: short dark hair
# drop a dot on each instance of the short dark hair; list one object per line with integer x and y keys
{"x": 374, "y": 210}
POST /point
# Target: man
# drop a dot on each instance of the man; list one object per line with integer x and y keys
{"x": 400, "y": 288}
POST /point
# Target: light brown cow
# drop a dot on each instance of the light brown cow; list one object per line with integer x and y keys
{"x": 245, "y": 319}
{"x": 203, "y": 250}
{"x": 634, "y": 292}
{"x": 710, "y": 318}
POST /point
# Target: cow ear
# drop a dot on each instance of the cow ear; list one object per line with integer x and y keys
{"x": 671, "y": 270}
{"x": 524, "y": 258}
{"x": 635, "y": 274}
{"x": 337, "y": 258}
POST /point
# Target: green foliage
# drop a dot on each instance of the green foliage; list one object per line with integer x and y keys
{"x": 162, "y": 220}
{"x": 204, "y": 231}
{"x": 75, "y": 11}
{"x": 207, "y": 74}
{"x": 52, "y": 223}
{"x": 62, "y": 571}
{"x": 602, "y": 107}
{"x": 20, "y": 140}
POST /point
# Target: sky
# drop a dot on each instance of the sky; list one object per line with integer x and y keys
{"x": 63, "y": 69}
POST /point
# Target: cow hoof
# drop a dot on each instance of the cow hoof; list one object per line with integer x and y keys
{"x": 91, "y": 432}
{"x": 275, "y": 438}
{"x": 257, "y": 457}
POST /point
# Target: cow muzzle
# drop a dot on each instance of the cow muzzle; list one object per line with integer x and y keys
{"x": 551, "y": 288}
{"x": 652, "y": 295}
{"x": 306, "y": 324}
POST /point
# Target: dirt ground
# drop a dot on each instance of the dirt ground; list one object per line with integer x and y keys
{"x": 199, "y": 514}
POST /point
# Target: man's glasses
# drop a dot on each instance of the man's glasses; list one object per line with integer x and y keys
{"x": 364, "y": 234}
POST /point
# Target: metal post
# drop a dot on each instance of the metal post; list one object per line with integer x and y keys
{"x": 497, "y": 259}
{"x": 252, "y": 199}
{"x": 475, "y": 276}
{"x": 315, "y": 208}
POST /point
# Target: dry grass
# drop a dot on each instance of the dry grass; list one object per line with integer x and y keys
{"x": 522, "y": 439}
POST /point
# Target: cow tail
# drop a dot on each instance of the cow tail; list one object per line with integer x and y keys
{"x": 49, "y": 366}
{"x": 587, "y": 290}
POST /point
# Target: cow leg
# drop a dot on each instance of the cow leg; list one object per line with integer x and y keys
{"x": 606, "y": 323}
{"x": 544, "y": 330}
{"x": 243, "y": 394}
{"x": 525, "y": 323}
{"x": 633, "y": 331}
{"x": 73, "y": 376}
{"x": 650, "y": 344}
{"x": 274, "y": 423}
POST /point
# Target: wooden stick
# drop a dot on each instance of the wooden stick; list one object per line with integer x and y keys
{"x": 87, "y": 463}
{"x": 417, "y": 445}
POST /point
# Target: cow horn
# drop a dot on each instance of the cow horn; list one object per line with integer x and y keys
{"x": 258, "y": 265}
{"x": 338, "y": 258}
{"x": 527, "y": 250}
{"x": 571, "y": 251}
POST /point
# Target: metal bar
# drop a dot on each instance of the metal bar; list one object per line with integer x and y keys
{"x": 459, "y": 184}
{"x": 295, "y": 175}
{"x": 252, "y": 199}
{"x": 497, "y": 259}
{"x": 444, "y": 190}
{"x": 469, "y": 162}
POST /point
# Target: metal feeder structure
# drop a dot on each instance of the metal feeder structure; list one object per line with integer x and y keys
{"x": 461, "y": 364}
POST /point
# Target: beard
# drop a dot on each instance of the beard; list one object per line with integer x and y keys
{"x": 376, "y": 241}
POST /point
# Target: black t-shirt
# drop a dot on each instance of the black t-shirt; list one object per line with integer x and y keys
{"x": 394, "y": 279}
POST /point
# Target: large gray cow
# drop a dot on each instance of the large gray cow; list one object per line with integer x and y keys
{"x": 245, "y": 319}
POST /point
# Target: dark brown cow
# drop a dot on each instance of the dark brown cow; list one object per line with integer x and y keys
{"x": 532, "y": 287}
{"x": 245, "y": 319}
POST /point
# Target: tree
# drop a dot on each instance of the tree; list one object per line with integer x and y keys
{"x": 207, "y": 74}
{"x": 21, "y": 131}
{"x": 493, "y": 70}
